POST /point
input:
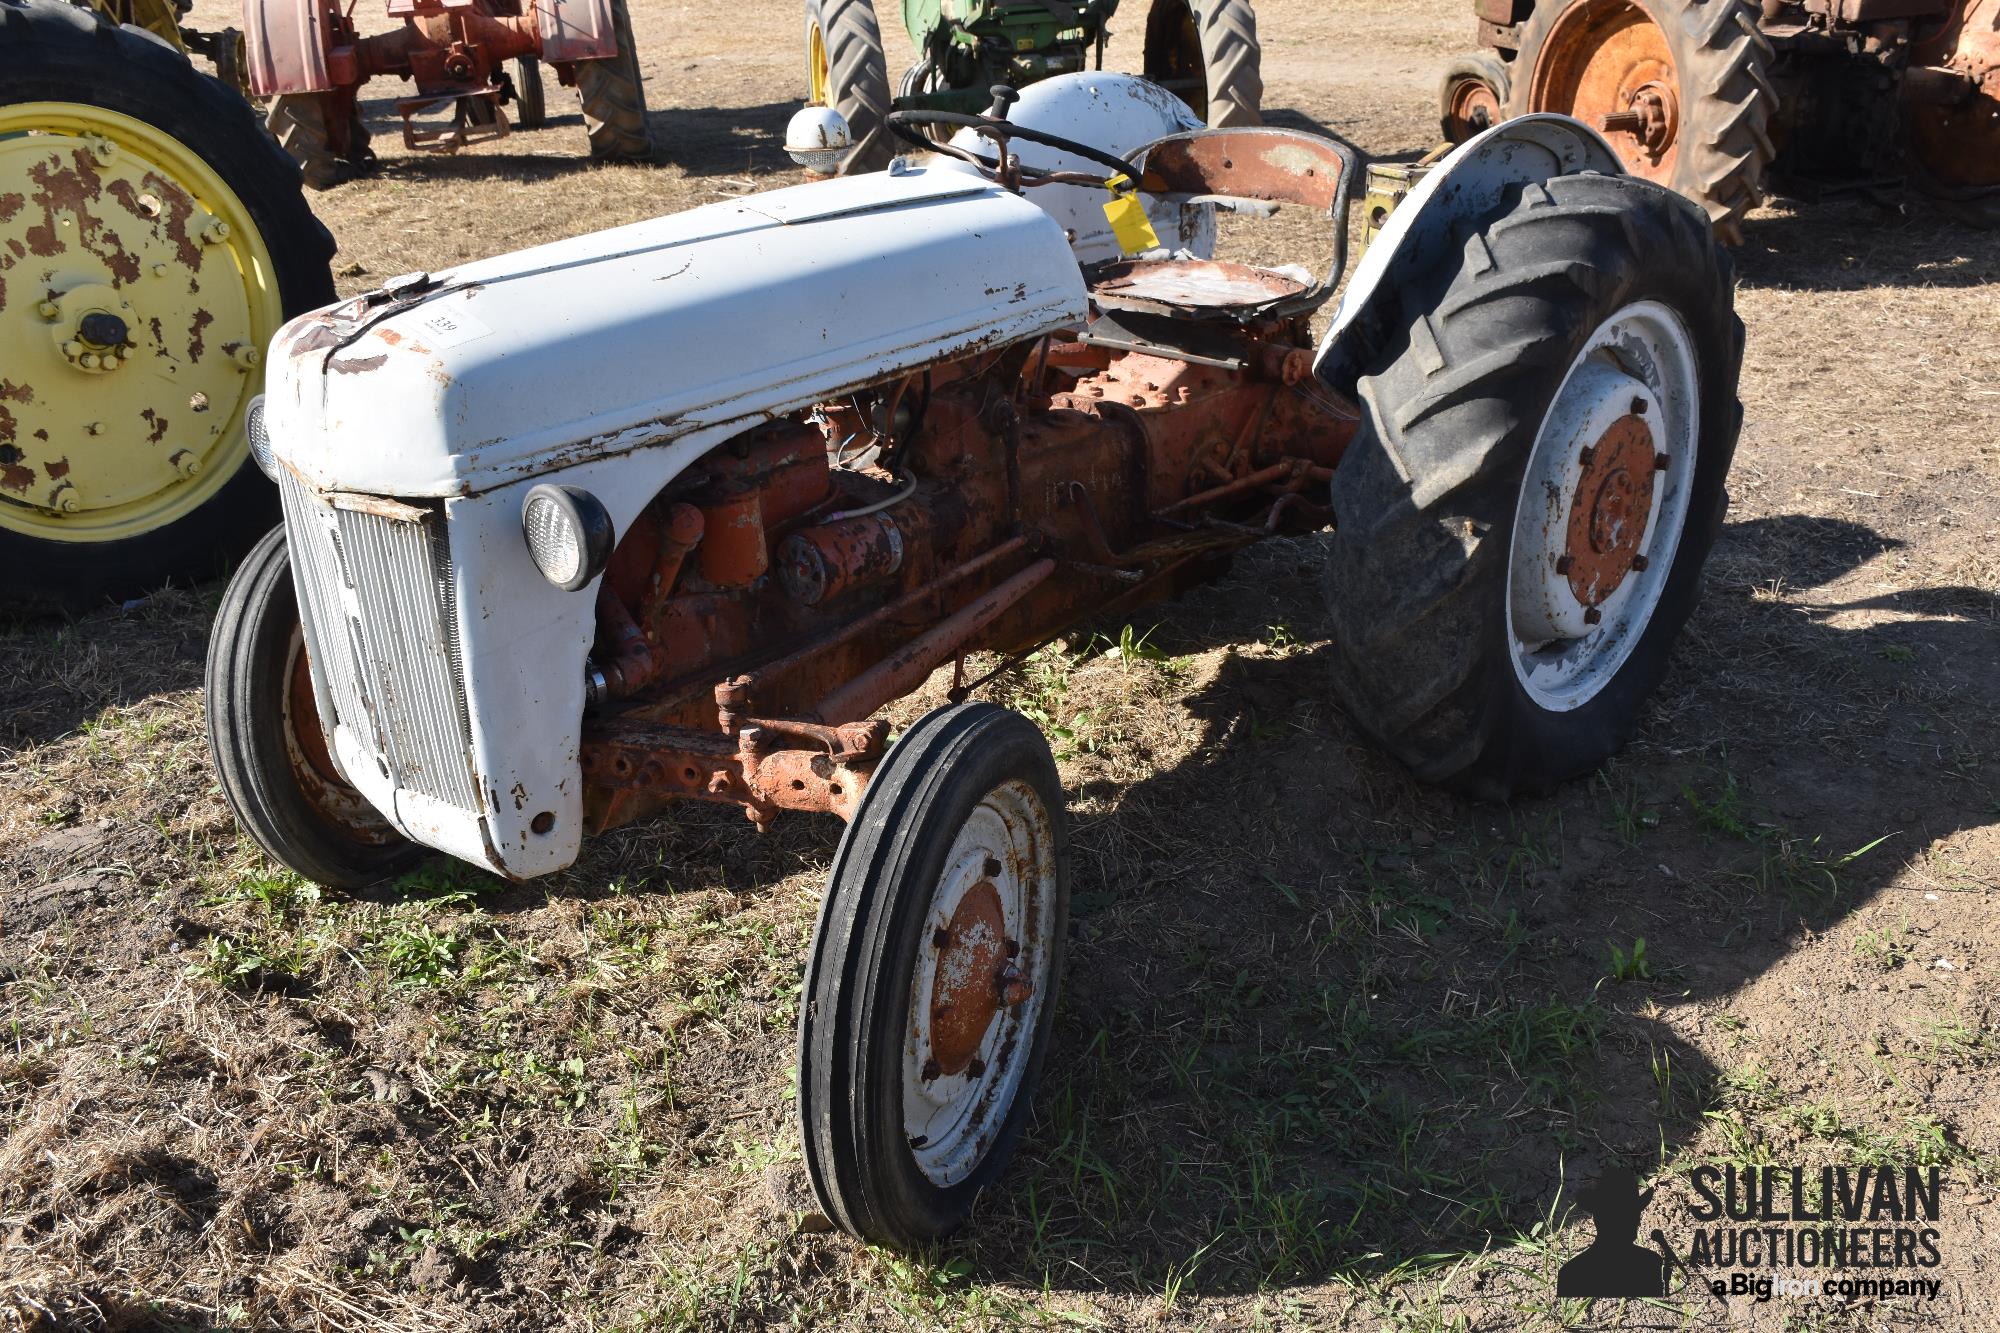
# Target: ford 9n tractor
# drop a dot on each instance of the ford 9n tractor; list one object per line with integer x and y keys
{"x": 671, "y": 512}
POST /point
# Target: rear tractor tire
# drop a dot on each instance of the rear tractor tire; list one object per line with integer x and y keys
{"x": 614, "y": 97}
{"x": 157, "y": 239}
{"x": 1521, "y": 528}
{"x": 301, "y": 124}
{"x": 1681, "y": 88}
{"x": 270, "y": 751}
{"x": 847, "y": 70}
{"x": 1206, "y": 53}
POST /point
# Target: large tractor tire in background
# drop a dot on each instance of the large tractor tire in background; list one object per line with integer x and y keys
{"x": 614, "y": 97}
{"x": 152, "y": 239}
{"x": 1681, "y": 88}
{"x": 847, "y": 70}
{"x": 1206, "y": 53}
{"x": 300, "y": 124}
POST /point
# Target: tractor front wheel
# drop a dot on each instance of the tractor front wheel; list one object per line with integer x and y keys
{"x": 1522, "y": 527}
{"x": 152, "y": 239}
{"x": 1473, "y": 95}
{"x": 930, "y": 991}
{"x": 1681, "y": 88}
{"x": 270, "y": 750}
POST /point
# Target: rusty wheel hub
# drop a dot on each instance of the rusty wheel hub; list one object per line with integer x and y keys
{"x": 1472, "y": 106}
{"x": 1607, "y": 62}
{"x": 976, "y": 993}
{"x": 1611, "y": 509}
{"x": 1602, "y": 505}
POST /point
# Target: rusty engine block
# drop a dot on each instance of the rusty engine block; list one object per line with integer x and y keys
{"x": 820, "y": 567}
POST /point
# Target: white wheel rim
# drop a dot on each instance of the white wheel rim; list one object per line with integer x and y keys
{"x": 1004, "y": 853}
{"x": 1633, "y": 389}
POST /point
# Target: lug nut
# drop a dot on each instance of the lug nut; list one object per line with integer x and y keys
{"x": 1638, "y": 407}
{"x": 992, "y": 867}
{"x": 247, "y": 357}
{"x": 1589, "y": 454}
{"x": 977, "y": 1069}
{"x": 186, "y": 462}
{"x": 95, "y": 428}
{"x": 72, "y": 349}
{"x": 63, "y": 499}
{"x": 1013, "y": 988}
{"x": 214, "y": 232}
{"x": 102, "y": 149}
{"x": 1013, "y": 948}
{"x": 88, "y": 361}
{"x": 1660, "y": 462}
{"x": 1563, "y": 564}
{"x": 1591, "y": 615}
{"x": 940, "y": 938}
{"x": 931, "y": 1071}
{"x": 1639, "y": 563}
{"x": 49, "y": 310}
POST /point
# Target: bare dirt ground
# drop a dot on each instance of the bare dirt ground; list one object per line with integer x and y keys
{"x": 1332, "y": 1043}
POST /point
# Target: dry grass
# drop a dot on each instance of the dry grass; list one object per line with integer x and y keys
{"x": 1332, "y": 1043}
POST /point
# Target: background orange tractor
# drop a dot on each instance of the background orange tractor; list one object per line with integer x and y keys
{"x": 1715, "y": 98}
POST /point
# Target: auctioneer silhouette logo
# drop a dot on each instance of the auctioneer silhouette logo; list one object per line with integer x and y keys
{"x": 1760, "y": 1231}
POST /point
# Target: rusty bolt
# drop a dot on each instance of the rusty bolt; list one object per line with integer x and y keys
{"x": 186, "y": 462}
{"x": 1639, "y": 563}
{"x": 992, "y": 866}
{"x": 49, "y": 310}
{"x": 1563, "y": 564}
{"x": 718, "y": 783}
{"x": 1013, "y": 988}
{"x": 931, "y": 1071}
{"x": 1660, "y": 462}
{"x": 64, "y": 499}
{"x": 214, "y": 232}
{"x": 246, "y": 357}
{"x": 1638, "y": 407}
{"x": 102, "y": 148}
{"x": 1588, "y": 454}
{"x": 940, "y": 938}
{"x": 160, "y": 270}
{"x": 1591, "y": 615}
{"x": 977, "y": 1069}
{"x": 1013, "y": 948}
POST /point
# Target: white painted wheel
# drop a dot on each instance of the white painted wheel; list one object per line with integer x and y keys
{"x": 932, "y": 983}
{"x": 1603, "y": 505}
{"x": 981, "y": 977}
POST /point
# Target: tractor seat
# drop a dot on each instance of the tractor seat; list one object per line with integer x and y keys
{"x": 1248, "y": 171}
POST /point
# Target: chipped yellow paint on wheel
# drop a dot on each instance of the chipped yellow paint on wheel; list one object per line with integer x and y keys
{"x": 818, "y": 73}
{"x": 136, "y": 300}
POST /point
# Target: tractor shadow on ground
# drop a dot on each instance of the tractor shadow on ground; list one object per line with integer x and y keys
{"x": 1851, "y": 244}
{"x": 1320, "y": 1020}
{"x": 702, "y": 141}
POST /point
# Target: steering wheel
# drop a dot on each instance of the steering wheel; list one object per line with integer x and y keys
{"x": 995, "y": 126}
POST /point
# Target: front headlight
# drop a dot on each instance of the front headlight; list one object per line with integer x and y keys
{"x": 260, "y": 439}
{"x": 569, "y": 534}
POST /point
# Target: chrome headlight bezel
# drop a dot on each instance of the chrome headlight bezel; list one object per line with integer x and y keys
{"x": 569, "y": 534}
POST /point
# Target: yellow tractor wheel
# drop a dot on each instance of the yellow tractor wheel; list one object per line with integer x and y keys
{"x": 152, "y": 239}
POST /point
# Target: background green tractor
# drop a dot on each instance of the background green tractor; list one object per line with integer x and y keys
{"x": 1204, "y": 51}
{"x": 152, "y": 238}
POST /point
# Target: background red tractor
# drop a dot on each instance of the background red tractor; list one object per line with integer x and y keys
{"x": 311, "y": 59}
{"x": 1716, "y": 97}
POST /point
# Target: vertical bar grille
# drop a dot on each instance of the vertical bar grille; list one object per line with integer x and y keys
{"x": 379, "y": 593}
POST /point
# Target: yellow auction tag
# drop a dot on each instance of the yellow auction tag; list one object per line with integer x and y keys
{"x": 1128, "y": 219}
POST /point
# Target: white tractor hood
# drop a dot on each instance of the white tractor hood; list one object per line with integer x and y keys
{"x": 713, "y": 318}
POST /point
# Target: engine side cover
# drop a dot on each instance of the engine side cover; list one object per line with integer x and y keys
{"x": 673, "y": 332}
